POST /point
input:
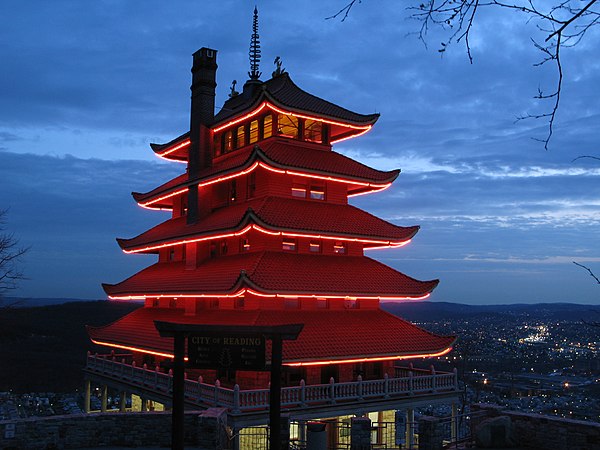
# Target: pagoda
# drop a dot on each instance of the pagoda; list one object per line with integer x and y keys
{"x": 261, "y": 233}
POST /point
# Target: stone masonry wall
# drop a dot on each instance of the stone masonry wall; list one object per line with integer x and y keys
{"x": 538, "y": 431}
{"x": 148, "y": 429}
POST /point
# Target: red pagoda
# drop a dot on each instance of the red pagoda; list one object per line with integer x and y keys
{"x": 261, "y": 233}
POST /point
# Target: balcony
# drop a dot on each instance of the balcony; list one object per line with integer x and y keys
{"x": 408, "y": 386}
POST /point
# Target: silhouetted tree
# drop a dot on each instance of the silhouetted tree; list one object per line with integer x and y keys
{"x": 562, "y": 23}
{"x": 10, "y": 255}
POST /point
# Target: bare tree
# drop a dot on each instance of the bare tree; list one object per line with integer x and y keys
{"x": 563, "y": 23}
{"x": 10, "y": 255}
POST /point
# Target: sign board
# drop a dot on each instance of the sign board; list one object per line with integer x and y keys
{"x": 237, "y": 352}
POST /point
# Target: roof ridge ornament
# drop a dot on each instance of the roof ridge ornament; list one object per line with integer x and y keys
{"x": 278, "y": 70}
{"x": 254, "y": 52}
{"x": 233, "y": 92}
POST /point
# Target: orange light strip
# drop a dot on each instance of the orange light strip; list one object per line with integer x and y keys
{"x": 272, "y": 107}
{"x": 335, "y": 141}
{"x": 379, "y": 243}
{"x": 241, "y": 119}
{"x": 189, "y": 241}
{"x": 170, "y": 150}
{"x": 207, "y": 183}
{"x": 379, "y": 188}
{"x": 134, "y": 349}
{"x": 375, "y": 186}
{"x": 261, "y": 294}
{"x": 358, "y": 360}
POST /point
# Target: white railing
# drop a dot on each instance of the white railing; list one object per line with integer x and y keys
{"x": 414, "y": 382}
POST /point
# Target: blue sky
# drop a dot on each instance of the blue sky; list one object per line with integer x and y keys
{"x": 86, "y": 86}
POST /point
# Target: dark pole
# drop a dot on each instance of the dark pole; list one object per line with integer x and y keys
{"x": 177, "y": 425}
{"x": 275, "y": 393}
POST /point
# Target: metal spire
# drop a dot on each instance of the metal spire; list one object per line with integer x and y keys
{"x": 254, "y": 52}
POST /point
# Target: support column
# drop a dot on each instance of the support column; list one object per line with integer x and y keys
{"x": 235, "y": 441}
{"x": 123, "y": 402}
{"x": 144, "y": 406}
{"x": 454, "y": 423}
{"x": 410, "y": 427}
{"x": 86, "y": 397}
{"x": 104, "y": 398}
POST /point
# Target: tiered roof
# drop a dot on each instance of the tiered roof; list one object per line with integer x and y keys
{"x": 328, "y": 336}
{"x": 274, "y": 274}
{"x": 286, "y": 155}
{"x": 276, "y": 214}
{"x": 281, "y": 95}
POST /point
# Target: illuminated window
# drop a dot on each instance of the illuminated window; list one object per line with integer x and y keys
{"x": 223, "y": 247}
{"x": 313, "y": 131}
{"x": 253, "y": 131}
{"x": 228, "y": 141}
{"x": 251, "y": 185}
{"x": 287, "y": 126}
{"x": 315, "y": 246}
{"x": 244, "y": 245}
{"x": 241, "y": 136}
{"x": 317, "y": 192}
{"x": 291, "y": 303}
{"x": 339, "y": 248}
{"x": 322, "y": 303}
{"x": 289, "y": 244}
{"x": 298, "y": 190}
{"x": 268, "y": 126}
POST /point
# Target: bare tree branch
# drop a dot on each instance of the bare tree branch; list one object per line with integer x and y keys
{"x": 589, "y": 271}
{"x": 10, "y": 255}
{"x": 344, "y": 11}
{"x": 586, "y": 156}
{"x": 565, "y": 23}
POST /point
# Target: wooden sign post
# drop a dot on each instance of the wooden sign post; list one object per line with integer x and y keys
{"x": 229, "y": 347}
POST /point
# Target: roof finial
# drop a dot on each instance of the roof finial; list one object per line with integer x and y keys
{"x": 278, "y": 70}
{"x": 254, "y": 49}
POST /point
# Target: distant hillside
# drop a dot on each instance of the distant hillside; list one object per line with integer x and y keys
{"x": 27, "y": 302}
{"x": 437, "y": 311}
{"x": 44, "y": 348}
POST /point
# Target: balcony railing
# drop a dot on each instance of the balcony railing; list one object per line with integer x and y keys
{"x": 411, "y": 383}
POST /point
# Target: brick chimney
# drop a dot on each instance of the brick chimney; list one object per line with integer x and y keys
{"x": 204, "y": 71}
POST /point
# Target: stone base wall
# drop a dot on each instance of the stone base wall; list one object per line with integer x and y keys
{"x": 538, "y": 431}
{"x": 148, "y": 429}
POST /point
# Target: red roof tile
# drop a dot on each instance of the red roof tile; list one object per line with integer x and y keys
{"x": 280, "y": 153}
{"x": 277, "y": 214}
{"x": 283, "y": 92}
{"x": 327, "y": 334}
{"x": 275, "y": 273}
